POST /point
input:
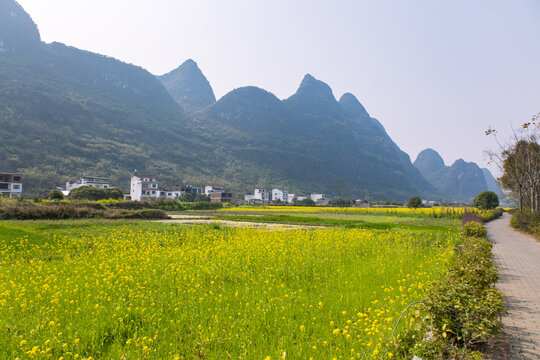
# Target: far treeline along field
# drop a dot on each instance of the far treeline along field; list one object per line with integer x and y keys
{"x": 125, "y": 289}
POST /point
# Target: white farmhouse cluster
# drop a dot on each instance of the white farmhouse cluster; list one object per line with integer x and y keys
{"x": 145, "y": 187}
{"x": 262, "y": 196}
{"x": 92, "y": 181}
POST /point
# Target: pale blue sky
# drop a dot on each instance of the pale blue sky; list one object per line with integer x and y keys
{"x": 435, "y": 73}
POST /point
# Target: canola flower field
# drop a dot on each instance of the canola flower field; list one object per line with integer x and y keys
{"x": 141, "y": 290}
{"x": 431, "y": 212}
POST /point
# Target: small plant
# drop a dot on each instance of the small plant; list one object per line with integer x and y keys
{"x": 474, "y": 229}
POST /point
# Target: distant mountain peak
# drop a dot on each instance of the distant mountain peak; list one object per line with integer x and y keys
{"x": 189, "y": 87}
{"x": 429, "y": 161}
{"x": 18, "y": 32}
{"x": 352, "y": 106}
{"x": 312, "y": 86}
{"x": 315, "y": 95}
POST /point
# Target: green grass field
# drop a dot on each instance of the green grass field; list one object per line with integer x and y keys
{"x": 106, "y": 289}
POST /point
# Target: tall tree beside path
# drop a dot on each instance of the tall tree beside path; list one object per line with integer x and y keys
{"x": 520, "y": 164}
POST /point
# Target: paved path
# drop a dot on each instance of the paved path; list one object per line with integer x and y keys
{"x": 518, "y": 258}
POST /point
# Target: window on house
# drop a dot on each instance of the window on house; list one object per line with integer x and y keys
{"x": 16, "y": 178}
{"x": 16, "y": 187}
{"x": 4, "y": 186}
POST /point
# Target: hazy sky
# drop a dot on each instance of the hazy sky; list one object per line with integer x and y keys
{"x": 435, "y": 73}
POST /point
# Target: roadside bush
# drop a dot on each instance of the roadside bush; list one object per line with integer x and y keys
{"x": 474, "y": 229}
{"x": 463, "y": 310}
{"x": 527, "y": 221}
{"x": 491, "y": 215}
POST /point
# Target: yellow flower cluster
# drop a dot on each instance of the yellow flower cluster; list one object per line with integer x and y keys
{"x": 186, "y": 292}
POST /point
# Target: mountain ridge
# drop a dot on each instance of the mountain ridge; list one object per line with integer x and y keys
{"x": 65, "y": 111}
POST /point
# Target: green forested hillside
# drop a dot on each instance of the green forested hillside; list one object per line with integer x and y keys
{"x": 64, "y": 111}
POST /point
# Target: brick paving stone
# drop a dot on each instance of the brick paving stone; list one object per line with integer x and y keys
{"x": 518, "y": 258}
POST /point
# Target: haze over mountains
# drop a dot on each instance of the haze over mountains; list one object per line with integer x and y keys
{"x": 461, "y": 181}
{"x": 64, "y": 111}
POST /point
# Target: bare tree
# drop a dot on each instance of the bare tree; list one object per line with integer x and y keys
{"x": 519, "y": 163}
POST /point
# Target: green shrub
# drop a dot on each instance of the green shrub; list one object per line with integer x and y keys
{"x": 527, "y": 221}
{"x": 60, "y": 210}
{"x": 92, "y": 193}
{"x": 56, "y": 195}
{"x": 473, "y": 229}
{"x": 462, "y": 311}
{"x": 491, "y": 215}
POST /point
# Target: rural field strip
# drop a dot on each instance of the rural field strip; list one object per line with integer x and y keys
{"x": 204, "y": 220}
{"x": 518, "y": 258}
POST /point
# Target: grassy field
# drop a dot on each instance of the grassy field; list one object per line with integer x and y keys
{"x": 107, "y": 289}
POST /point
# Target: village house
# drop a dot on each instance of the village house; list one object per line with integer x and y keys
{"x": 209, "y": 189}
{"x": 144, "y": 187}
{"x": 280, "y": 195}
{"x": 258, "y": 196}
{"x": 11, "y": 184}
{"x": 188, "y": 189}
{"x": 221, "y": 197}
{"x": 92, "y": 181}
{"x": 319, "y": 199}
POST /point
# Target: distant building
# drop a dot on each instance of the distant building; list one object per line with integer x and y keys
{"x": 188, "y": 189}
{"x": 261, "y": 194}
{"x": 428, "y": 203}
{"x": 319, "y": 199}
{"x": 258, "y": 196}
{"x": 290, "y": 198}
{"x": 362, "y": 203}
{"x": 92, "y": 181}
{"x": 11, "y": 184}
{"x": 144, "y": 187}
{"x": 280, "y": 195}
{"x": 208, "y": 189}
{"x": 221, "y": 197}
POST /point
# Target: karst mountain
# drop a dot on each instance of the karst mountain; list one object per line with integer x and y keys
{"x": 66, "y": 111}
